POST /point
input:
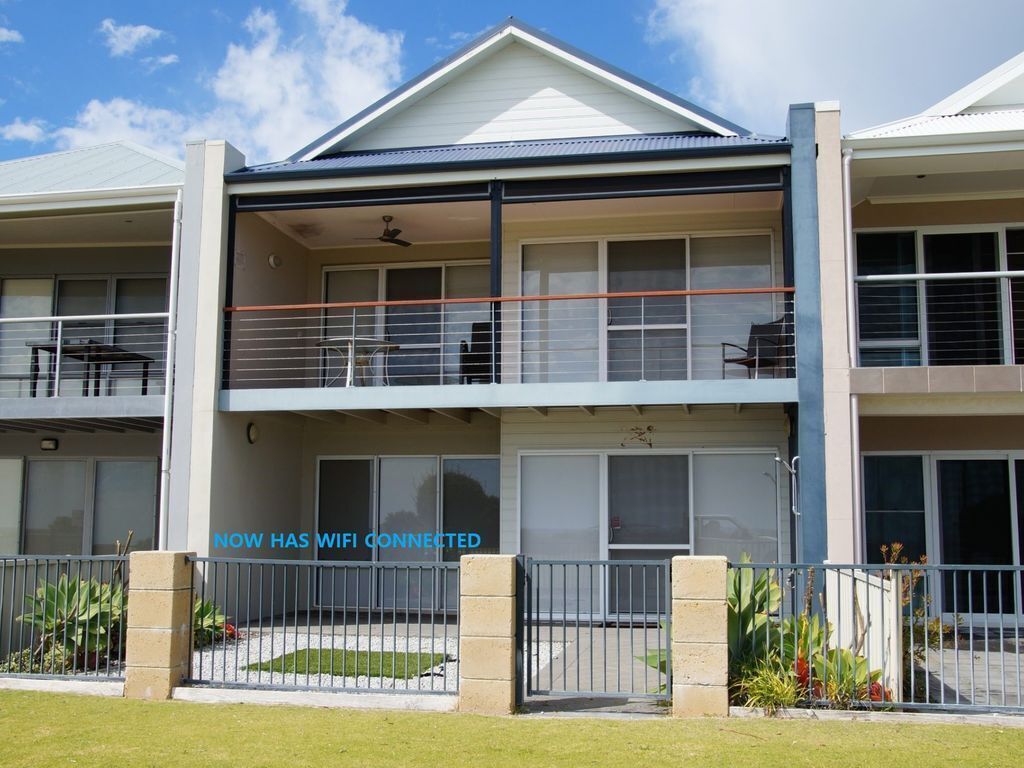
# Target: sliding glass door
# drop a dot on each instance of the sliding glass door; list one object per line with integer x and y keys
{"x": 953, "y": 509}
{"x": 379, "y": 500}
{"x": 976, "y": 528}
{"x": 647, "y": 335}
{"x": 964, "y": 315}
{"x": 560, "y": 337}
{"x": 643, "y": 506}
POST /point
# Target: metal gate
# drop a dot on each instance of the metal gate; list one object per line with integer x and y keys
{"x": 596, "y": 628}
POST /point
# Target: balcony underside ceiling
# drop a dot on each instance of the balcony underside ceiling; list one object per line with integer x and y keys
{"x": 61, "y": 426}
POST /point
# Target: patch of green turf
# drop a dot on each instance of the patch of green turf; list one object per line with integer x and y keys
{"x": 43, "y": 729}
{"x": 324, "y": 661}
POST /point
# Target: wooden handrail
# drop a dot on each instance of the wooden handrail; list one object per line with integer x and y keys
{"x": 508, "y": 299}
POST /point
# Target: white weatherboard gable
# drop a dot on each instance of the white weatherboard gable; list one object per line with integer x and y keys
{"x": 519, "y": 94}
{"x": 597, "y": 100}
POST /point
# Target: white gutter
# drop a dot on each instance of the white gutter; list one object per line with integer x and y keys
{"x": 172, "y": 332}
{"x": 851, "y": 343}
{"x": 88, "y": 198}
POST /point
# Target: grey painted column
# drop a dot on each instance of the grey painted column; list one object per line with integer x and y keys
{"x": 803, "y": 223}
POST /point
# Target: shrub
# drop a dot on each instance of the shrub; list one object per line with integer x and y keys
{"x": 77, "y": 616}
{"x": 751, "y": 600}
{"x": 766, "y": 684}
{"x": 209, "y": 624}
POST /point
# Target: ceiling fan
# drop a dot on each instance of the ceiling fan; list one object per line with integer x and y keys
{"x": 389, "y": 235}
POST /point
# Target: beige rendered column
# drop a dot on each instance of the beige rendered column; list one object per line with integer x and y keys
{"x": 700, "y": 650}
{"x": 159, "y": 612}
{"x": 840, "y": 492}
{"x": 487, "y": 629}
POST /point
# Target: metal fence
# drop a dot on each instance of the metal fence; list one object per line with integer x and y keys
{"x": 597, "y": 628}
{"x": 63, "y": 616}
{"x": 906, "y": 636}
{"x": 346, "y": 626}
{"x": 642, "y": 336}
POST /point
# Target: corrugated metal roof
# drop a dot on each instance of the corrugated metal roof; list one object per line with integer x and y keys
{"x": 498, "y": 153}
{"x": 117, "y": 165}
{"x": 994, "y": 121}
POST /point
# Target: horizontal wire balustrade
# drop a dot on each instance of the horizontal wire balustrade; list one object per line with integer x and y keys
{"x": 642, "y": 336}
{"x": 941, "y": 319}
{"x": 83, "y": 355}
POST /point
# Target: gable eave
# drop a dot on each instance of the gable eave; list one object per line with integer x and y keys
{"x": 490, "y": 41}
{"x": 978, "y": 89}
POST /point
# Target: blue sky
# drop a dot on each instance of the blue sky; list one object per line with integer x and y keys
{"x": 269, "y": 76}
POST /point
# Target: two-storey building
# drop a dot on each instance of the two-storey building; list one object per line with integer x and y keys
{"x": 525, "y": 295}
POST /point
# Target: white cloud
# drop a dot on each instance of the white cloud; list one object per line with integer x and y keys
{"x": 883, "y": 60}
{"x": 32, "y": 131}
{"x": 154, "y": 63}
{"x": 272, "y": 94}
{"x": 10, "y": 36}
{"x": 103, "y": 121}
{"x": 125, "y": 39}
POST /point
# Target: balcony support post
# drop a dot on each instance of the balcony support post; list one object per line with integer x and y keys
{"x": 497, "y": 194}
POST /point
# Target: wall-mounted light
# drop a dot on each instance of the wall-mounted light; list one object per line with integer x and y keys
{"x": 48, "y": 444}
{"x": 274, "y": 261}
{"x": 252, "y": 432}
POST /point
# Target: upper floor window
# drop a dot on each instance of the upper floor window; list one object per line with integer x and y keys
{"x": 134, "y": 346}
{"x": 939, "y": 297}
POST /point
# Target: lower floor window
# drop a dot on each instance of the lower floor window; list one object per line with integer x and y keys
{"x": 79, "y": 506}
{"x": 378, "y": 497}
{"x": 632, "y": 505}
{"x": 954, "y": 509}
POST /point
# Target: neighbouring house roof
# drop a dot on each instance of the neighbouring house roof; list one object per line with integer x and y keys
{"x": 513, "y": 153}
{"x": 994, "y": 103}
{"x": 118, "y": 165}
{"x": 611, "y": 82}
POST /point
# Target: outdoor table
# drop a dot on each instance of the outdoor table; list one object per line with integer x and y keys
{"x": 358, "y": 352}
{"x": 95, "y": 354}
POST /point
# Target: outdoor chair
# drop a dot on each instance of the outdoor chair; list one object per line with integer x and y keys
{"x": 475, "y": 355}
{"x": 765, "y": 350}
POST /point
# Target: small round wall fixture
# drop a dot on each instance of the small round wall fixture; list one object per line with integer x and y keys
{"x": 252, "y": 432}
{"x": 274, "y": 261}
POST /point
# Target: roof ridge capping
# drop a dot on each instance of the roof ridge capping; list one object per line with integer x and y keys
{"x": 512, "y": 29}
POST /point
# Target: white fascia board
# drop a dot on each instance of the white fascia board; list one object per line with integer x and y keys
{"x": 911, "y": 146}
{"x": 89, "y": 198}
{"x": 509, "y": 174}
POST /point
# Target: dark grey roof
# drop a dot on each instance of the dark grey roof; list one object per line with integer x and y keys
{"x": 512, "y": 153}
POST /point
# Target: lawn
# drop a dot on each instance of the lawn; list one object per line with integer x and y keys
{"x": 38, "y": 729}
{"x": 352, "y": 664}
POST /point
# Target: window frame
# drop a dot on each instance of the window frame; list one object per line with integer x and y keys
{"x": 89, "y": 496}
{"x": 1005, "y": 296}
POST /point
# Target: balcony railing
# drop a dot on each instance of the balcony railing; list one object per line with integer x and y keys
{"x": 971, "y": 318}
{"x": 743, "y": 333}
{"x": 83, "y": 355}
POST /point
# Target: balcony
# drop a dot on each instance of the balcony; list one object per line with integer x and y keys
{"x": 945, "y": 333}
{"x": 83, "y": 366}
{"x": 581, "y": 349}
